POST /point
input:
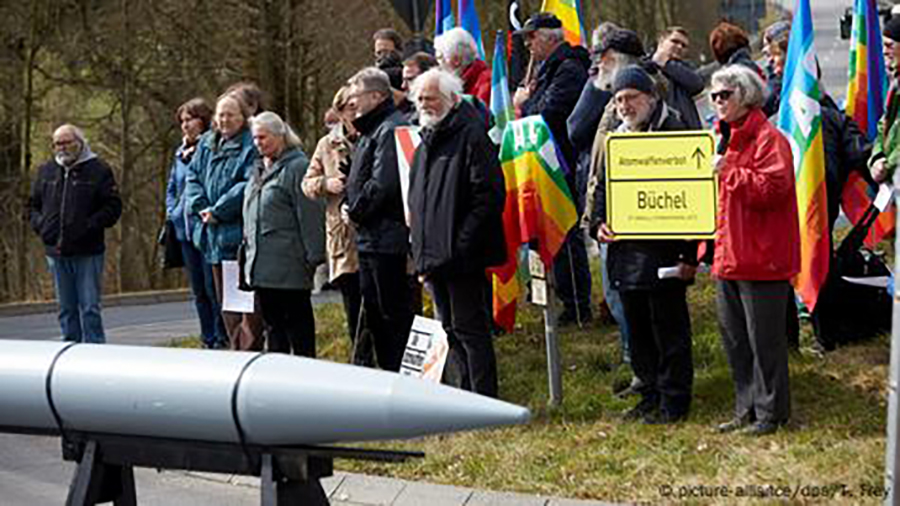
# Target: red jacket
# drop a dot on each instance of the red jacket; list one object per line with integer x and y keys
{"x": 758, "y": 232}
{"x": 477, "y": 81}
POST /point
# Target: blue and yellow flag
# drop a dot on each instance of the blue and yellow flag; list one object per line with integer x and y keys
{"x": 800, "y": 118}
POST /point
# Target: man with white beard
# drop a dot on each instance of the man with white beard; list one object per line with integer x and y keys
{"x": 655, "y": 309}
{"x": 456, "y": 199}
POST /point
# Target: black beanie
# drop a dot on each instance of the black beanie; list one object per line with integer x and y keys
{"x": 635, "y": 78}
{"x": 892, "y": 29}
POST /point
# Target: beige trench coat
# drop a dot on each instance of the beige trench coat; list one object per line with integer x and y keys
{"x": 340, "y": 236}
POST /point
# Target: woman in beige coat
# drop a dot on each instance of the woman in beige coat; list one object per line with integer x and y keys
{"x": 326, "y": 179}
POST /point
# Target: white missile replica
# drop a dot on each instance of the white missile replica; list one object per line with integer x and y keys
{"x": 228, "y": 397}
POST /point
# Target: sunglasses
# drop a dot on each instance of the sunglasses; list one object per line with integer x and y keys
{"x": 721, "y": 95}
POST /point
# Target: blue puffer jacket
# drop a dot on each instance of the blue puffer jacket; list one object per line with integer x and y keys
{"x": 216, "y": 179}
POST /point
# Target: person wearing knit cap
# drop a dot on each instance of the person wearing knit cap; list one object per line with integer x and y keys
{"x": 885, "y": 152}
{"x": 656, "y": 311}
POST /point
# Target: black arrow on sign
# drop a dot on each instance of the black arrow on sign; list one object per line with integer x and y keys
{"x": 698, "y": 154}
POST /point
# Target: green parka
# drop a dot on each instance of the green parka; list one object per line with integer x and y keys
{"x": 284, "y": 231}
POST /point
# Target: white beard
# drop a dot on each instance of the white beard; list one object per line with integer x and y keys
{"x": 431, "y": 121}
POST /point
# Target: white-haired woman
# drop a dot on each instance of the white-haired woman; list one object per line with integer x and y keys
{"x": 284, "y": 237}
{"x": 213, "y": 192}
{"x": 757, "y": 251}
{"x": 456, "y": 52}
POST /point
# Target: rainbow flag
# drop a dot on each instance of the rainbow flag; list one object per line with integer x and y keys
{"x": 443, "y": 16}
{"x": 800, "y": 118}
{"x": 501, "y": 102}
{"x": 867, "y": 89}
{"x": 569, "y": 12}
{"x": 468, "y": 19}
{"x": 539, "y": 207}
{"x": 858, "y": 194}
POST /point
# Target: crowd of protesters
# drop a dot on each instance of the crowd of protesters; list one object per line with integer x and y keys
{"x": 241, "y": 189}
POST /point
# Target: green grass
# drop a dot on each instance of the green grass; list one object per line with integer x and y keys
{"x": 583, "y": 450}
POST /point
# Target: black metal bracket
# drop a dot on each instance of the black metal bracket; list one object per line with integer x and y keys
{"x": 289, "y": 474}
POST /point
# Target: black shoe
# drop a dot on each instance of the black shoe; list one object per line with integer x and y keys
{"x": 643, "y": 409}
{"x": 761, "y": 429}
{"x": 664, "y": 418}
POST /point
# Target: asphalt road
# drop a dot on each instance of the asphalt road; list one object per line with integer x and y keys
{"x": 132, "y": 325}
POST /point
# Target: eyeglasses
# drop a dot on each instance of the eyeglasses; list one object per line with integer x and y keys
{"x": 721, "y": 95}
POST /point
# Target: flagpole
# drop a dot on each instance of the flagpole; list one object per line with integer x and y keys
{"x": 554, "y": 372}
{"x": 892, "y": 455}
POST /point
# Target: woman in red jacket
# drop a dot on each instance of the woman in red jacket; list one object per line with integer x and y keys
{"x": 757, "y": 251}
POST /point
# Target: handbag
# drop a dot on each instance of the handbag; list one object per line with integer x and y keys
{"x": 170, "y": 252}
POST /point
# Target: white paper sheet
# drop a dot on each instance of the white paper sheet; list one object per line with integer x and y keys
{"x": 668, "y": 272}
{"x": 233, "y": 299}
{"x": 883, "y": 199}
{"x": 426, "y": 350}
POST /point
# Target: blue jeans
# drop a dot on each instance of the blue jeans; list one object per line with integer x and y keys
{"x": 79, "y": 282}
{"x": 212, "y": 328}
{"x": 614, "y": 301}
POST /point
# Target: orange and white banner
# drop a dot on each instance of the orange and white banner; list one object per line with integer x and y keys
{"x": 408, "y": 139}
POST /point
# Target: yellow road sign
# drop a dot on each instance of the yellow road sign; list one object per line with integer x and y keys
{"x": 661, "y": 185}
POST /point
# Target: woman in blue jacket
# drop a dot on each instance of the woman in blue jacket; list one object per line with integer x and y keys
{"x": 194, "y": 116}
{"x": 214, "y": 196}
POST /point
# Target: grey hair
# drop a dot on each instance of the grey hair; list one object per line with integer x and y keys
{"x": 602, "y": 31}
{"x": 272, "y": 123}
{"x": 372, "y": 79}
{"x": 77, "y": 132}
{"x": 748, "y": 87}
{"x": 456, "y": 41}
{"x": 553, "y": 34}
{"x": 451, "y": 86}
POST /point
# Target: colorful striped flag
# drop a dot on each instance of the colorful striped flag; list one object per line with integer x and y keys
{"x": 800, "y": 118}
{"x": 868, "y": 82}
{"x": 539, "y": 206}
{"x": 501, "y": 102}
{"x": 468, "y": 20}
{"x": 858, "y": 194}
{"x": 569, "y": 12}
{"x": 443, "y": 16}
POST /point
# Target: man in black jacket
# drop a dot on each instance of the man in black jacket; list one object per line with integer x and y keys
{"x": 375, "y": 205}
{"x": 655, "y": 309}
{"x": 553, "y": 94}
{"x": 73, "y": 200}
{"x": 456, "y": 201}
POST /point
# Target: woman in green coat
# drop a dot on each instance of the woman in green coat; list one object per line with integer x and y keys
{"x": 284, "y": 237}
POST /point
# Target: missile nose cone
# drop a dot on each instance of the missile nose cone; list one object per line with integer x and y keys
{"x": 446, "y": 409}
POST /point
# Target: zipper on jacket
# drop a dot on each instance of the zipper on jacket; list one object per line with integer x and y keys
{"x": 62, "y": 211}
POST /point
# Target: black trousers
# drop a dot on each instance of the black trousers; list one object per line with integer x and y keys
{"x": 471, "y": 362}
{"x": 659, "y": 326}
{"x": 386, "y": 298}
{"x": 289, "y": 322}
{"x": 349, "y": 285}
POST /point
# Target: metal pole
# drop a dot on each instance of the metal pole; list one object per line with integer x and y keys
{"x": 417, "y": 28}
{"x": 892, "y": 465}
{"x": 554, "y": 373}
